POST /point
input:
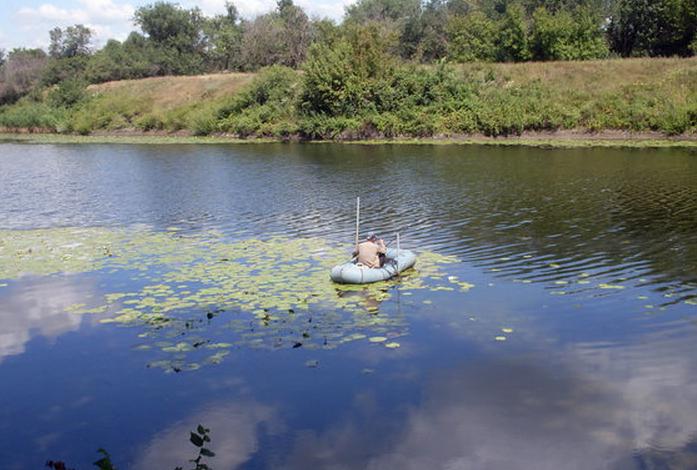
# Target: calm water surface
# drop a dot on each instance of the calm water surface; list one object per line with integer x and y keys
{"x": 575, "y": 349}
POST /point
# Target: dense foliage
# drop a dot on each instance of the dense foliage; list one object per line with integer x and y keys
{"x": 367, "y": 76}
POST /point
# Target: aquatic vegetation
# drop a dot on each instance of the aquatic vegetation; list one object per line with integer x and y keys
{"x": 610, "y": 286}
{"x": 273, "y": 293}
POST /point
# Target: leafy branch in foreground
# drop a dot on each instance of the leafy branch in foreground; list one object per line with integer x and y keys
{"x": 199, "y": 439}
{"x": 105, "y": 462}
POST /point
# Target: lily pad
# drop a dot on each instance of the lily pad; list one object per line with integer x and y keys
{"x": 270, "y": 293}
{"x": 610, "y": 286}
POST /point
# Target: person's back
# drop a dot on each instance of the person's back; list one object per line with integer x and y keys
{"x": 370, "y": 250}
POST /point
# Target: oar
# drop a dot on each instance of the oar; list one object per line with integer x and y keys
{"x": 358, "y": 218}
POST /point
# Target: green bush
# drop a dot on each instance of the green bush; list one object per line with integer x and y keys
{"x": 28, "y": 114}
{"x": 109, "y": 111}
{"x": 262, "y": 107}
{"x": 203, "y": 122}
{"x": 149, "y": 122}
{"x": 328, "y": 127}
{"x": 68, "y": 93}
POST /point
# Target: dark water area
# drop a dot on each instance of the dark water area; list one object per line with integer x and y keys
{"x": 575, "y": 348}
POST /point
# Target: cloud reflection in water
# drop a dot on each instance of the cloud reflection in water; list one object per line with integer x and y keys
{"x": 618, "y": 407}
{"x": 234, "y": 436}
{"x": 37, "y": 307}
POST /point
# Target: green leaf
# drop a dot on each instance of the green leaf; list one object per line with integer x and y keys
{"x": 201, "y": 430}
{"x": 196, "y": 439}
{"x": 207, "y": 452}
{"x": 105, "y": 462}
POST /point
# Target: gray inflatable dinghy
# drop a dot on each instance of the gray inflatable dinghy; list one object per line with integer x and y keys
{"x": 352, "y": 273}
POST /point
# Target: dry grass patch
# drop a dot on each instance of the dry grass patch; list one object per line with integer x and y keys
{"x": 166, "y": 93}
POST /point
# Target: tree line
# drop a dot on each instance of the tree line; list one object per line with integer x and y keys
{"x": 176, "y": 41}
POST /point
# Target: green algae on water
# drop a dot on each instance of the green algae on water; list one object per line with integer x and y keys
{"x": 215, "y": 294}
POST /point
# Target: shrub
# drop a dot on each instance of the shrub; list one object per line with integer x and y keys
{"x": 68, "y": 93}
{"x": 28, "y": 114}
{"x": 269, "y": 100}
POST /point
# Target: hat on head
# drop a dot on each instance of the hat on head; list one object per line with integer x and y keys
{"x": 371, "y": 236}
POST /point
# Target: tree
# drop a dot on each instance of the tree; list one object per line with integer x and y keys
{"x": 169, "y": 24}
{"x": 364, "y": 11}
{"x": 177, "y": 34}
{"x": 296, "y": 34}
{"x": 348, "y": 77}
{"x": 325, "y": 31}
{"x": 20, "y": 73}
{"x": 74, "y": 41}
{"x": 136, "y": 57}
{"x": 434, "y": 35}
{"x": 513, "y": 35}
{"x": 63, "y": 68}
{"x": 652, "y": 27}
{"x": 224, "y": 39}
{"x": 262, "y": 41}
{"x": 278, "y": 37}
{"x": 472, "y": 37}
{"x": 399, "y": 17}
{"x": 55, "y": 48}
{"x": 567, "y": 36}
{"x": 2, "y": 57}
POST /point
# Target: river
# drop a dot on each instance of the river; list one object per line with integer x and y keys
{"x": 550, "y": 321}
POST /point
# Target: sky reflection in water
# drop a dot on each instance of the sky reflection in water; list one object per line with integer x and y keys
{"x": 583, "y": 261}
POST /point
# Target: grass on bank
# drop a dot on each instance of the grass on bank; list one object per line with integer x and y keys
{"x": 633, "y": 95}
{"x": 550, "y": 142}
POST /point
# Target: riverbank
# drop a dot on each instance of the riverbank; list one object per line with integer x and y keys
{"x": 617, "y": 102}
{"x": 529, "y": 139}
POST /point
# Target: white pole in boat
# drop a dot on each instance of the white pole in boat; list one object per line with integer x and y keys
{"x": 397, "y": 244}
{"x": 358, "y": 216}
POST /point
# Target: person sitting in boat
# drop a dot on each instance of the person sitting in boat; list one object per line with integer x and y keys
{"x": 371, "y": 253}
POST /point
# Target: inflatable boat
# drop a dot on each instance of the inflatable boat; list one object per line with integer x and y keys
{"x": 395, "y": 263}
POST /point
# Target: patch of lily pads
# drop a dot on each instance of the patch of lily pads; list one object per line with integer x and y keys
{"x": 198, "y": 296}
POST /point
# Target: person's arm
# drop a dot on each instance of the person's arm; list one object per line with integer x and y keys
{"x": 381, "y": 246}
